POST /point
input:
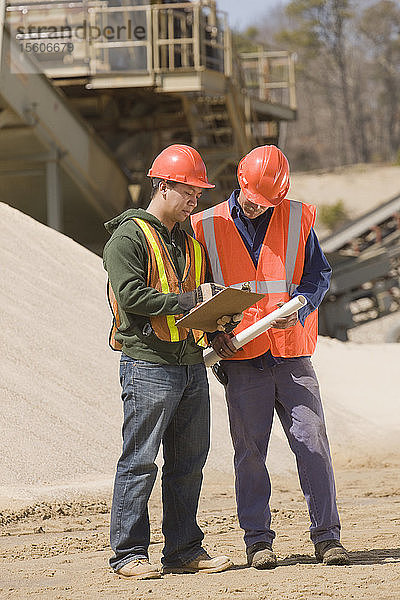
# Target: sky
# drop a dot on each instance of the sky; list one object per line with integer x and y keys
{"x": 242, "y": 13}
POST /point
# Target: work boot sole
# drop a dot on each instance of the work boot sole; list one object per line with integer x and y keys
{"x": 144, "y": 576}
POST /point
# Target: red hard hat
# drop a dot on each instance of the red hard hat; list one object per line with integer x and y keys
{"x": 182, "y": 164}
{"x": 263, "y": 176}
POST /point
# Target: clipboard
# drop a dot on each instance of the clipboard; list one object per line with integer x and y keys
{"x": 228, "y": 301}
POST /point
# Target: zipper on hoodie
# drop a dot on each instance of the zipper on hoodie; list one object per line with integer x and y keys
{"x": 182, "y": 351}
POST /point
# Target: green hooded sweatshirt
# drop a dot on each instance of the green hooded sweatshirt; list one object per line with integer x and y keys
{"x": 125, "y": 259}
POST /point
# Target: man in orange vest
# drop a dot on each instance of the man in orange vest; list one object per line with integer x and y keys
{"x": 157, "y": 272}
{"x": 260, "y": 236}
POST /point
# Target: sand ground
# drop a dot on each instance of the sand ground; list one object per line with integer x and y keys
{"x": 59, "y": 551}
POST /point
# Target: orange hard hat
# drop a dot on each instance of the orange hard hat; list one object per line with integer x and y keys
{"x": 263, "y": 176}
{"x": 182, "y": 164}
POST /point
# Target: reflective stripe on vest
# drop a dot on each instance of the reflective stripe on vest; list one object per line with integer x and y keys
{"x": 197, "y": 261}
{"x": 292, "y": 243}
{"x": 211, "y": 245}
{"x": 165, "y": 326}
{"x": 193, "y": 276}
{"x": 264, "y": 287}
{"x": 277, "y": 275}
{"x": 161, "y": 272}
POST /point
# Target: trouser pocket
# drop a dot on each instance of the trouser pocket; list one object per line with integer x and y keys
{"x": 220, "y": 374}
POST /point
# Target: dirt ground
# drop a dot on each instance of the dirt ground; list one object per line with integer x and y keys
{"x": 59, "y": 551}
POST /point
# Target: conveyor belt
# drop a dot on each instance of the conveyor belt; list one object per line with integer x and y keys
{"x": 360, "y": 227}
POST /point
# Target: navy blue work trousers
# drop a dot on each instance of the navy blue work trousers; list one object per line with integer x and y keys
{"x": 253, "y": 394}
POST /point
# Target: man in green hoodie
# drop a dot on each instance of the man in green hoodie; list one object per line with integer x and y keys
{"x": 157, "y": 271}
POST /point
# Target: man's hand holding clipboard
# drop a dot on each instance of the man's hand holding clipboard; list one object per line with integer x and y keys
{"x": 218, "y": 307}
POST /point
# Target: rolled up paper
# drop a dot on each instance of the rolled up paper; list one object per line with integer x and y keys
{"x": 256, "y": 329}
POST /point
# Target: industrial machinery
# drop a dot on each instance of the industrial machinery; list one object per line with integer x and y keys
{"x": 365, "y": 258}
{"x": 136, "y": 75}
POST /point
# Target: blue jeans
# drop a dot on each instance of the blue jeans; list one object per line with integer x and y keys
{"x": 168, "y": 404}
{"x": 253, "y": 394}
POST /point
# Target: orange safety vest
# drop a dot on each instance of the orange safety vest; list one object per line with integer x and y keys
{"x": 162, "y": 276}
{"x": 278, "y": 273}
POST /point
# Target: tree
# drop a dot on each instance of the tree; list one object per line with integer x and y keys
{"x": 347, "y": 79}
{"x": 380, "y": 25}
{"x": 321, "y": 29}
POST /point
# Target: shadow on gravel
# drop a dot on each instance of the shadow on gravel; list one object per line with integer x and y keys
{"x": 297, "y": 559}
{"x": 376, "y": 556}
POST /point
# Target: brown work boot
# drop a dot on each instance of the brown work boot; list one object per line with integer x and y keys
{"x": 331, "y": 552}
{"x": 139, "y": 568}
{"x": 261, "y": 556}
{"x": 202, "y": 564}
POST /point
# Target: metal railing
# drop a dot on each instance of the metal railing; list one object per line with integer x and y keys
{"x": 91, "y": 35}
{"x": 270, "y": 76}
{"x": 51, "y": 32}
{"x": 133, "y": 54}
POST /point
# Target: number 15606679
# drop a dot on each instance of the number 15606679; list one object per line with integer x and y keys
{"x": 47, "y": 47}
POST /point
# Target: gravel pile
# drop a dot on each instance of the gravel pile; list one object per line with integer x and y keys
{"x": 60, "y": 417}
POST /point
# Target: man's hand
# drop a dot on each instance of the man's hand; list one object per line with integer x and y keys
{"x": 222, "y": 344}
{"x": 205, "y": 291}
{"x": 285, "y": 322}
{"x": 228, "y": 323}
{"x": 188, "y": 300}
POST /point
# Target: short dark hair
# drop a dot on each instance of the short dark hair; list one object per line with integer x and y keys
{"x": 155, "y": 182}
